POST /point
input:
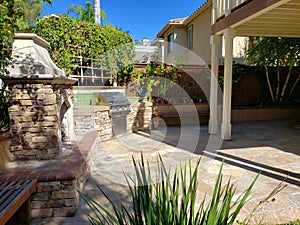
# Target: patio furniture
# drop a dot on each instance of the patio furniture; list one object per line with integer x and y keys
{"x": 14, "y": 201}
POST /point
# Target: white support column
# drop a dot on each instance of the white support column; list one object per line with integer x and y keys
{"x": 226, "y": 123}
{"x": 161, "y": 45}
{"x": 215, "y": 41}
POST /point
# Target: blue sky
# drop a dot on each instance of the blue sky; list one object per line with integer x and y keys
{"x": 141, "y": 19}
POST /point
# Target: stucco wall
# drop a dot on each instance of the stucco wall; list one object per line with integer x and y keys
{"x": 201, "y": 35}
{"x": 201, "y": 25}
{"x": 180, "y": 36}
{"x": 168, "y": 55}
{"x": 180, "y": 46}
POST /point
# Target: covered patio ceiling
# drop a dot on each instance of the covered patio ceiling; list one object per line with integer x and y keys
{"x": 269, "y": 18}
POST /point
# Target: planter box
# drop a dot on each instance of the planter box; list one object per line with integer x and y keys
{"x": 182, "y": 107}
{"x": 238, "y": 114}
{"x": 170, "y": 113}
{"x": 243, "y": 114}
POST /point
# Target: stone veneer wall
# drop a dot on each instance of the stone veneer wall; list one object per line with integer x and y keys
{"x": 93, "y": 118}
{"x": 140, "y": 116}
{"x": 103, "y": 123}
{"x": 55, "y": 199}
{"x": 98, "y": 118}
{"x": 56, "y": 195}
{"x": 34, "y": 120}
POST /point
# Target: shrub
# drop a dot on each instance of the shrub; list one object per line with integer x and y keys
{"x": 4, "y": 116}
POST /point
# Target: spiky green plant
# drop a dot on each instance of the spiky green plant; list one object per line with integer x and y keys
{"x": 171, "y": 199}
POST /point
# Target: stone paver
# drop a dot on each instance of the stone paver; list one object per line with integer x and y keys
{"x": 270, "y": 147}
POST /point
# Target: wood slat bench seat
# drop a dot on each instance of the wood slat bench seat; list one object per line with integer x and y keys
{"x": 173, "y": 118}
{"x": 175, "y": 114}
{"x": 14, "y": 198}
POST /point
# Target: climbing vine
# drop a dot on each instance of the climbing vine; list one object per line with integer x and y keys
{"x": 70, "y": 38}
{"x": 7, "y": 25}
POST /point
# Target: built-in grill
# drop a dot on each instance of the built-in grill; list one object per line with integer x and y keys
{"x": 119, "y": 109}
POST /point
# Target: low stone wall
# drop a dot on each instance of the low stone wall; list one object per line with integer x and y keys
{"x": 54, "y": 199}
{"x": 84, "y": 120}
{"x": 103, "y": 123}
{"x": 93, "y": 118}
{"x": 58, "y": 183}
{"x": 57, "y": 195}
{"x": 140, "y": 116}
{"x": 98, "y": 118}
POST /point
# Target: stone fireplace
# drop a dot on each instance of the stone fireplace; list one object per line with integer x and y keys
{"x": 41, "y": 101}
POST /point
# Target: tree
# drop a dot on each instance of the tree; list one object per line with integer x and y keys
{"x": 274, "y": 54}
{"x": 85, "y": 13}
{"x": 27, "y": 12}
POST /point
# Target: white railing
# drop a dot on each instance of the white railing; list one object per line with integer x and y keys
{"x": 224, "y": 7}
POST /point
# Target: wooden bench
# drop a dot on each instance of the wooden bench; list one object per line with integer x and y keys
{"x": 175, "y": 114}
{"x": 203, "y": 116}
{"x": 14, "y": 201}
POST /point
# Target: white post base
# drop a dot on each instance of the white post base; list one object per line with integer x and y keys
{"x": 226, "y": 131}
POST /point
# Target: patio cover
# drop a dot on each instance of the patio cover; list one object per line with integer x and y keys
{"x": 268, "y": 18}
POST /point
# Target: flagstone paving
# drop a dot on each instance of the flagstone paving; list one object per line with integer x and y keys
{"x": 269, "y": 148}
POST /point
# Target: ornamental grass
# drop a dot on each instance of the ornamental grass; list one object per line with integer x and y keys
{"x": 171, "y": 199}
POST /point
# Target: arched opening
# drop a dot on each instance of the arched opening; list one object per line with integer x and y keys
{"x": 64, "y": 123}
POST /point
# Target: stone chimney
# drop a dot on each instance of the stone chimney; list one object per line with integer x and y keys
{"x": 41, "y": 101}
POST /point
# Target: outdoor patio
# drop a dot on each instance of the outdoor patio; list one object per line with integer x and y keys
{"x": 269, "y": 147}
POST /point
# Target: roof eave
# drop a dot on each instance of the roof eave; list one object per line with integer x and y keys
{"x": 167, "y": 27}
{"x": 196, "y": 13}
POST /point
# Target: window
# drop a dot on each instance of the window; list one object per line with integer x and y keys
{"x": 170, "y": 42}
{"x": 190, "y": 38}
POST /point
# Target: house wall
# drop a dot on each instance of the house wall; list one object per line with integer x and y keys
{"x": 200, "y": 54}
{"x": 180, "y": 36}
{"x": 201, "y": 36}
{"x": 180, "y": 46}
{"x": 168, "y": 55}
{"x": 179, "y": 52}
{"x": 239, "y": 46}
